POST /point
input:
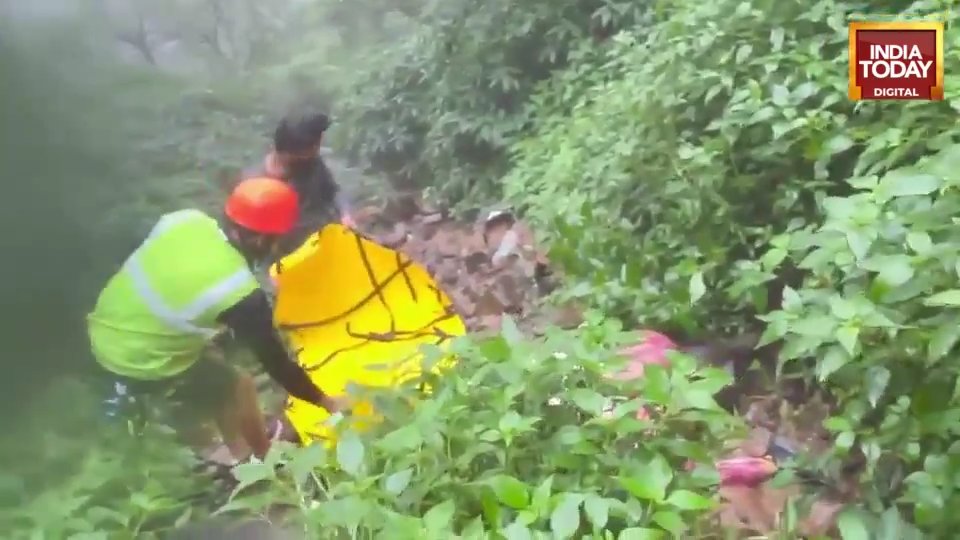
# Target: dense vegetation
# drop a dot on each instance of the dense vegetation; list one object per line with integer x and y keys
{"x": 691, "y": 166}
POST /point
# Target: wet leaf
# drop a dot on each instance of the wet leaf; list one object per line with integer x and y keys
{"x": 439, "y": 517}
{"x": 688, "y": 500}
{"x": 902, "y": 183}
{"x": 651, "y": 482}
{"x": 670, "y": 521}
{"x": 776, "y": 39}
{"x": 305, "y": 460}
{"x": 852, "y": 526}
{"x": 640, "y": 533}
{"x": 597, "y": 509}
{"x": 588, "y": 400}
{"x": 945, "y": 299}
{"x": 350, "y": 453}
{"x": 510, "y": 491}
{"x": 697, "y": 288}
{"x": 398, "y": 481}
{"x": 877, "y": 379}
{"x": 565, "y": 519}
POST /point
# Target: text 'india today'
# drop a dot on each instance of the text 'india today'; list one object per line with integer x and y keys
{"x": 895, "y": 62}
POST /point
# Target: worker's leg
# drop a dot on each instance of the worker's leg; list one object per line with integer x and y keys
{"x": 219, "y": 391}
{"x": 245, "y": 414}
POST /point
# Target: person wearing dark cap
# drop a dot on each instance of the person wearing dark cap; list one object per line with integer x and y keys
{"x": 295, "y": 158}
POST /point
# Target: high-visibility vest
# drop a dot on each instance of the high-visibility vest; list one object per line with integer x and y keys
{"x": 156, "y": 315}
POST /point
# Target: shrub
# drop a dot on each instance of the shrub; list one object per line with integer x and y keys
{"x": 442, "y": 109}
{"x": 879, "y": 314}
{"x": 659, "y": 167}
{"x": 71, "y": 475}
{"x": 490, "y": 451}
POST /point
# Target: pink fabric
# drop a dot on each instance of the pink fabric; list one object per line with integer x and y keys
{"x": 745, "y": 471}
{"x": 652, "y": 350}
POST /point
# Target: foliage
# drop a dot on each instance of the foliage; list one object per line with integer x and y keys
{"x": 443, "y": 108}
{"x": 744, "y": 118}
{"x": 680, "y": 171}
{"x": 514, "y": 441}
{"x": 878, "y": 313}
{"x": 75, "y": 476}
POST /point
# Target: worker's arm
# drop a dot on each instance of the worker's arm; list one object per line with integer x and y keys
{"x": 251, "y": 319}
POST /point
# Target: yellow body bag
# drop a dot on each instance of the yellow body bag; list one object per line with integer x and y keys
{"x": 356, "y": 312}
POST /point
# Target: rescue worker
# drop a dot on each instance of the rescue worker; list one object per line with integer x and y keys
{"x": 154, "y": 323}
{"x": 295, "y": 158}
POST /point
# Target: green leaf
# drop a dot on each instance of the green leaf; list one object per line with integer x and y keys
{"x": 640, "y": 533}
{"x": 776, "y": 39}
{"x": 851, "y": 526}
{"x": 516, "y": 531}
{"x": 946, "y": 298}
{"x": 405, "y": 438}
{"x": 250, "y": 473}
{"x": 877, "y": 378}
{"x": 834, "y": 359}
{"x": 588, "y": 400}
{"x": 541, "y": 496}
{"x": 671, "y": 521}
{"x": 905, "y": 183}
{"x": 697, "y": 288}
{"x": 656, "y": 384}
{"x": 943, "y": 339}
{"x": 896, "y": 271}
{"x": 781, "y": 95}
{"x": 597, "y": 509}
{"x": 819, "y": 326}
{"x": 837, "y": 144}
{"x": 565, "y": 519}
{"x": 688, "y": 500}
{"x": 510, "y": 491}
{"x": 837, "y": 423}
{"x": 920, "y": 242}
{"x": 350, "y": 453}
{"x": 859, "y": 243}
{"x": 847, "y": 336}
{"x": 305, "y": 460}
{"x": 398, "y": 481}
{"x": 651, "y": 482}
{"x": 845, "y": 440}
{"x": 438, "y": 518}
{"x": 842, "y": 308}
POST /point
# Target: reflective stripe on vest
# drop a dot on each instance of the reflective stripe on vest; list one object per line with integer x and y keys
{"x": 182, "y": 319}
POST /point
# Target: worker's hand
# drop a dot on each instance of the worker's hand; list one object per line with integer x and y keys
{"x": 332, "y": 404}
{"x": 347, "y": 221}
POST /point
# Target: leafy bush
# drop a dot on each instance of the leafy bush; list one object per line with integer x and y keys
{"x": 443, "y": 108}
{"x": 878, "y": 312}
{"x": 515, "y": 441}
{"x": 690, "y": 144}
{"x": 70, "y": 475}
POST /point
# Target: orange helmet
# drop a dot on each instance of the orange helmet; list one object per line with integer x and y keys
{"x": 264, "y": 205}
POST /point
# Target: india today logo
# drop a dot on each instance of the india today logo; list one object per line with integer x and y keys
{"x": 896, "y": 60}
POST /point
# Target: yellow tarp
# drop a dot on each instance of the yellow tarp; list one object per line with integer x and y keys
{"x": 356, "y": 312}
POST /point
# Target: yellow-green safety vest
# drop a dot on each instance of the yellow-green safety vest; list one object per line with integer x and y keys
{"x": 156, "y": 315}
